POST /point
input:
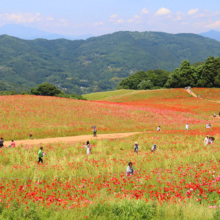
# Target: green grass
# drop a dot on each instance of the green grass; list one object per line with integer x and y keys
{"x": 106, "y": 95}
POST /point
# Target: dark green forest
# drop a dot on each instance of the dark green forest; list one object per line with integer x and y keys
{"x": 96, "y": 64}
{"x": 202, "y": 74}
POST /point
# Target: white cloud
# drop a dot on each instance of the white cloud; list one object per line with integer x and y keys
{"x": 144, "y": 11}
{"x": 98, "y": 23}
{"x": 113, "y": 17}
{"x": 193, "y": 11}
{"x": 215, "y": 24}
{"x": 116, "y": 19}
{"x": 163, "y": 11}
{"x": 184, "y": 23}
{"x": 50, "y": 18}
{"x": 21, "y": 17}
{"x": 130, "y": 20}
{"x": 120, "y": 21}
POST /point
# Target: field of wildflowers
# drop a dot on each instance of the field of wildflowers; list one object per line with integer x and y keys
{"x": 171, "y": 99}
{"x": 182, "y": 174}
{"x": 58, "y": 117}
{"x": 181, "y": 180}
{"x": 208, "y": 93}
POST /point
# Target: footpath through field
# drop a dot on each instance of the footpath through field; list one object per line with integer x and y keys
{"x": 192, "y": 93}
{"x": 71, "y": 139}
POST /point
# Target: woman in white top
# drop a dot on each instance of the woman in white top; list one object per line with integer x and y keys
{"x": 206, "y": 141}
{"x": 88, "y": 146}
{"x": 158, "y": 128}
{"x": 130, "y": 170}
{"x": 187, "y": 127}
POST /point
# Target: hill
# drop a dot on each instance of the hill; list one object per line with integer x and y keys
{"x": 178, "y": 180}
{"x": 212, "y": 34}
{"x": 98, "y": 63}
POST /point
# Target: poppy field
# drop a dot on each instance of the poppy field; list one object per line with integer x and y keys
{"x": 45, "y": 117}
{"x": 180, "y": 180}
{"x": 182, "y": 173}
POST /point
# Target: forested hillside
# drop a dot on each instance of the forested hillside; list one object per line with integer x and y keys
{"x": 99, "y": 63}
{"x": 201, "y": 74}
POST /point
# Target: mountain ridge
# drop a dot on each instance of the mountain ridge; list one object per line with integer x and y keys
{"x": 98, "y": 63}
{"x": 212, "y": 34}
{"x": 29, "y": 33}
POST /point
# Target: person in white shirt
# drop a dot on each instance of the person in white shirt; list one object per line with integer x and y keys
{"x": 206, "y": 141}
{"x": 88, "y": 146}
{"x": 136, "y": 147}
{"x": 153, "y": 148}
{"x": 187, "y": 127}
{"x": 130, "y": 170}
{"x": 158, "y": 128}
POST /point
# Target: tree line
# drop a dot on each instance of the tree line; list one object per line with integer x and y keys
{"x": 207, "y": 74}
{"x": 45, "y": 89}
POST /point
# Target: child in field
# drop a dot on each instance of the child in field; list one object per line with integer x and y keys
{"x": 206, "y": 141}
{"x": 187, "y": 127}
{"x": 40, "y": 155}
{"x": 211, "y": 139}
{"x": 136, "y": 147}
{"x": 12, "y": 143}
{"x": 88, "y": 146}
{"x": 158, "y": 128}
{"x": 1, "y": 143}
{"x": 153, "y": 148}
{"x": 130, "y": 170}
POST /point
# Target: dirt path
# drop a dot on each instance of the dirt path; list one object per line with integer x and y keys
{"x": 71, "y": 139}
{"x": 192, "y": 93}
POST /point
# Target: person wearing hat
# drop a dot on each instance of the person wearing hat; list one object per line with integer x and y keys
{"x": 136, "y": 147}
{"x": 153, "y": 148}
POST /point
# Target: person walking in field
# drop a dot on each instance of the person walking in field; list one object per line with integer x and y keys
{"x": 1, "y": 142}
{"x": 12, "y": 143}
{"x": 206, "y": 141}
{"x": 40, "y": 155}
{"x": 129, "y": 170}
{"x": 211, "y": 139}
{"x": 158, "y": 128}
{"x": 187, "y": 127}
{"x": 214, "y": 115}
{"x": 136, "y": 147}
{"x": 94, "y": 131}
{"x": 88, "y": 147}
{"x": 153, "y": 148}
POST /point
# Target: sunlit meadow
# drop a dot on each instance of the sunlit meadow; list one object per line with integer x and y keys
{"x": 181, "y": 180}
{"x": 58, "y": 117}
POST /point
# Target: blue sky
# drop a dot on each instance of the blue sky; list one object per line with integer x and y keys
{"x": 99, "y": 17}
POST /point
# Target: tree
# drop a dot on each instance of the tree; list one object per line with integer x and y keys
{"x": 183, "y": 76}
{"x": 145, "y": 85}
{"x": 46, "y": 89}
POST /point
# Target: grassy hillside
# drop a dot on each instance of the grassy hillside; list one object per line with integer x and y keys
{"x": 57, "y": 117}
{"x": 180, "y": 180}
{"x": 98, "y": 63}
{"x": 169, "y": 99}
{"x": 106, "y": 95}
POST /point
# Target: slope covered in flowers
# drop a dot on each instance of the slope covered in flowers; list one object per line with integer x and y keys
{"x": 56, "y": 117}
{"x": 181, "y": 172}
{"x": 208, "y": 93}
{"x": 170, "y": 99}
